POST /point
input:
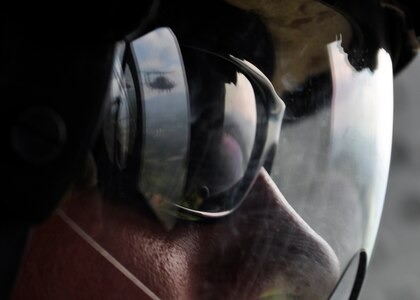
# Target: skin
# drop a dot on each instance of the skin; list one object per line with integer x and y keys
{"x": 263, "y": 244}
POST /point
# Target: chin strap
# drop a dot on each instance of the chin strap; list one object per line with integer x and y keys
{"x": 98, "y": 248}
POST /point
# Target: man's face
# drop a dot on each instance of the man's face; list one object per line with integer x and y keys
{"x": 263, "y": 249}
{"x": 97, "y": 247}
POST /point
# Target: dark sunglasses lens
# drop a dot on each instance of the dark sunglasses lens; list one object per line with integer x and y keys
{"x": 188, "y": 130}
{"x": 224, "y": 117}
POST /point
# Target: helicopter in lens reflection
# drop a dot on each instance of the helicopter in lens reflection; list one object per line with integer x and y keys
{"x": 158, "y": 80}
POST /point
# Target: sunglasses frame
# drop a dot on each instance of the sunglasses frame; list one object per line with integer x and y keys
{"x": 263, "y": 150}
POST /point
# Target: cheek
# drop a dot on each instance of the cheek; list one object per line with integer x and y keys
{"x": 60, "y": 265}
{"x": 160, "y": 259}
{"x": 114, "y": 251}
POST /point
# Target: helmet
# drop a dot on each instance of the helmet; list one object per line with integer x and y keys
{"x": 233, "y": 149}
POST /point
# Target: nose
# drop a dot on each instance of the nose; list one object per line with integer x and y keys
{"x": 262, "y": 250}
{"x": 265, "y": 249}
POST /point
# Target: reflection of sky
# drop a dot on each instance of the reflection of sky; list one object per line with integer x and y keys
{"x": 241, "y": 113}
{"x": 159, "y": 51}
{"x": 240, "y": 101}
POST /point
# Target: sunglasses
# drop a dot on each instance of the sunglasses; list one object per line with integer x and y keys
{"x": 189, "y": 132}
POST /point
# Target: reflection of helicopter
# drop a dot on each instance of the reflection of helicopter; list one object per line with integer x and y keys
{"x": 158, "y": 80}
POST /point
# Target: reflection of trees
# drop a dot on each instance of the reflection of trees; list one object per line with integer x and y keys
{"x": 163, "y": 156}
{"x": 162, "y": 175}
{"x": 166, "y": 140}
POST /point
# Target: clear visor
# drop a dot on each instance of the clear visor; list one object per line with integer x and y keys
{"x": 288, "y": 211}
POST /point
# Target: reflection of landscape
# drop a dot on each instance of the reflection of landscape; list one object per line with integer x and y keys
{"x": 165, "y": 114}
{"x": 166, "y": 143}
